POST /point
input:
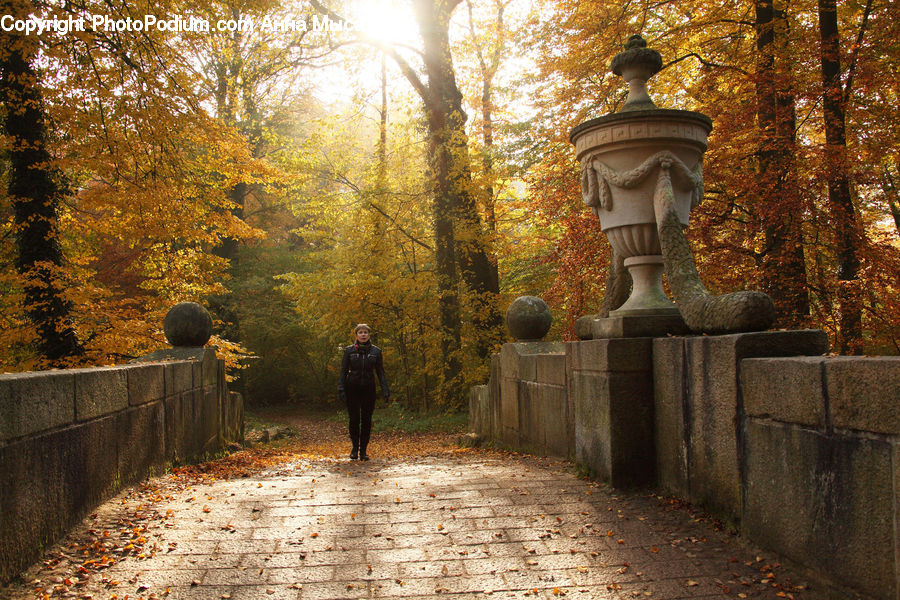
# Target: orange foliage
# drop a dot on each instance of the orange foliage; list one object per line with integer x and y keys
{"x": 709, "y": 56}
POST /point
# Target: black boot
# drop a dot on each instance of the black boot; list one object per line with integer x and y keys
{"x": 354, "y": 453}
{"x": 364, "y": 443}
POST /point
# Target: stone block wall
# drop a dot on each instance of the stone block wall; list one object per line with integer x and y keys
{"x": 611, "y": 385}
{"x": 70, "y": 439}
{"x": 821, "y": 480}
{"x": 698, "y": 404}
{"x": 799, "y": 450}
{"x": 525, "y": 404}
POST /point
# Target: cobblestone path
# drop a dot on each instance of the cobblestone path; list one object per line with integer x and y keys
{"x": 473, "y": 526}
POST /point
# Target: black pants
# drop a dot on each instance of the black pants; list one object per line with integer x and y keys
{"x": 361, "y": 405}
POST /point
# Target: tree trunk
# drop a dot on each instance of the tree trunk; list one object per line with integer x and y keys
{"x": 459, "y": 236}
{"x": 487, "y": 139}
{"x": 890, "y": 192}
{"x": 780, "y": 205}
{"x": 35, "y": 191}
{"x": 488, "y": 67}
{"x": 461, "y": 245}
{"x": 237, "y": 108}
{"x": 839, "y": 200}
{"x": 455, "y": 191}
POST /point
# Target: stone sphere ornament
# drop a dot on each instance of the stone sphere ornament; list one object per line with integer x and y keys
{"x": 528, "y": 318}
{"x": 187, "y": 324}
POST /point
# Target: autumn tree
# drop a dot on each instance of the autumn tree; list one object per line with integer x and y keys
{"x": 839, "y": 198}
{"x": 356, "y": 270}
{"x": 36, "y": 189}
{"x": 462, "y": 248}
{"x": 768, "y": 220}
{"x": 780, "y": 204}
{"x": 489, "y": 40}
{"x": 147, "y": 166}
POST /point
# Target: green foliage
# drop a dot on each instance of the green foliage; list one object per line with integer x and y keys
{"x": 397, "y": 418}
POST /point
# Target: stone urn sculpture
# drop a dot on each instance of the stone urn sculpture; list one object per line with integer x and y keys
{"x": 642, "y": 174}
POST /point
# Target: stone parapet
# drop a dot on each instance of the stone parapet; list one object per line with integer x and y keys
{"x": 611, "y": 386}
{"x": 799, "y": 450}
{"x": 864, "y": 393}
{"x": 821, "y": 481}
{"x": 527, "y": 399}
{"x": 826, "y": 501}
{"x": 70, "y": 439}
{"x": 33, "y": 402}
{"x": 699, "y": 407}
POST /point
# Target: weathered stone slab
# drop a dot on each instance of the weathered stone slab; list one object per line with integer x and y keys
{"x": 825, "y": 501}
{"x": 210, "y": 366}
{"x": 100, "y": 391}
{"x": 517, "y": 359}
{"x": 592, "y": 422}
{"x": 785, "y": 389}
{"x": 146, "y": 383}
{"x": 34, "y": 402}
{"x": 88, "y": 460}
{"x": 628, "y": 326}
{"x": 29, "y": 503}
{"x": 712, "y": 405}
{"x": 531, "y": 426}
{"x": 494, "y": 396}
{"x": 479, "y": 411}
{"x": 632, "y": 354}
{"x": 544, "y": 418}
{"x": 551, "y": 369}
{"x": 180, "y": 428}
{"x": 141, "y": 441}
{"x": 527, "y": 367}
{"x": 671, "y": 412}
{"x": 196, "y": 375}
{"x": 558, "y": 440}
{"x": 179, "y": 378}
{"x": 509, "y": 411}
{"x": 614, "y": 426}
{"x": 171, "y": 407}
{"x": 631, "y": 412}
{"x": 864, "y": 393}
{"x": 211, "y": 432}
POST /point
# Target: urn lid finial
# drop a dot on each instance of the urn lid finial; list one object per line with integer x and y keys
{"x": 636, "y": 64}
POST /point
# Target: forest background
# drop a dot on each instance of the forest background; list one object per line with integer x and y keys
{"x": 415, "y": 173}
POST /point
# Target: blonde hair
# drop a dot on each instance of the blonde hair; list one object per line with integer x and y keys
{"x": 361, "y": 326}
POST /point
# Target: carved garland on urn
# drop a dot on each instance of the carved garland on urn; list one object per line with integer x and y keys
{"x": 702, "y": 311}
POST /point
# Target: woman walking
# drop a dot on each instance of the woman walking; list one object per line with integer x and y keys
{"x": 362, "y": 360}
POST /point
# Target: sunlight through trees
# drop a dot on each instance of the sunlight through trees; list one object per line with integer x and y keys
{"x": 299, "y": 167}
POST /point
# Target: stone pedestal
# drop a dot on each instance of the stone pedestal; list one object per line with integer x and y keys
{"x": 532, "y": 388}
{"x": 611, "y": 384}
{"x": 630, "y": 326}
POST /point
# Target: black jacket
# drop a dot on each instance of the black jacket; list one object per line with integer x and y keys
{"x": 358, "y": 368}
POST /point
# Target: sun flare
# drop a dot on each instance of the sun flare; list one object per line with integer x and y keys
{"x": 386, "y": 21}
